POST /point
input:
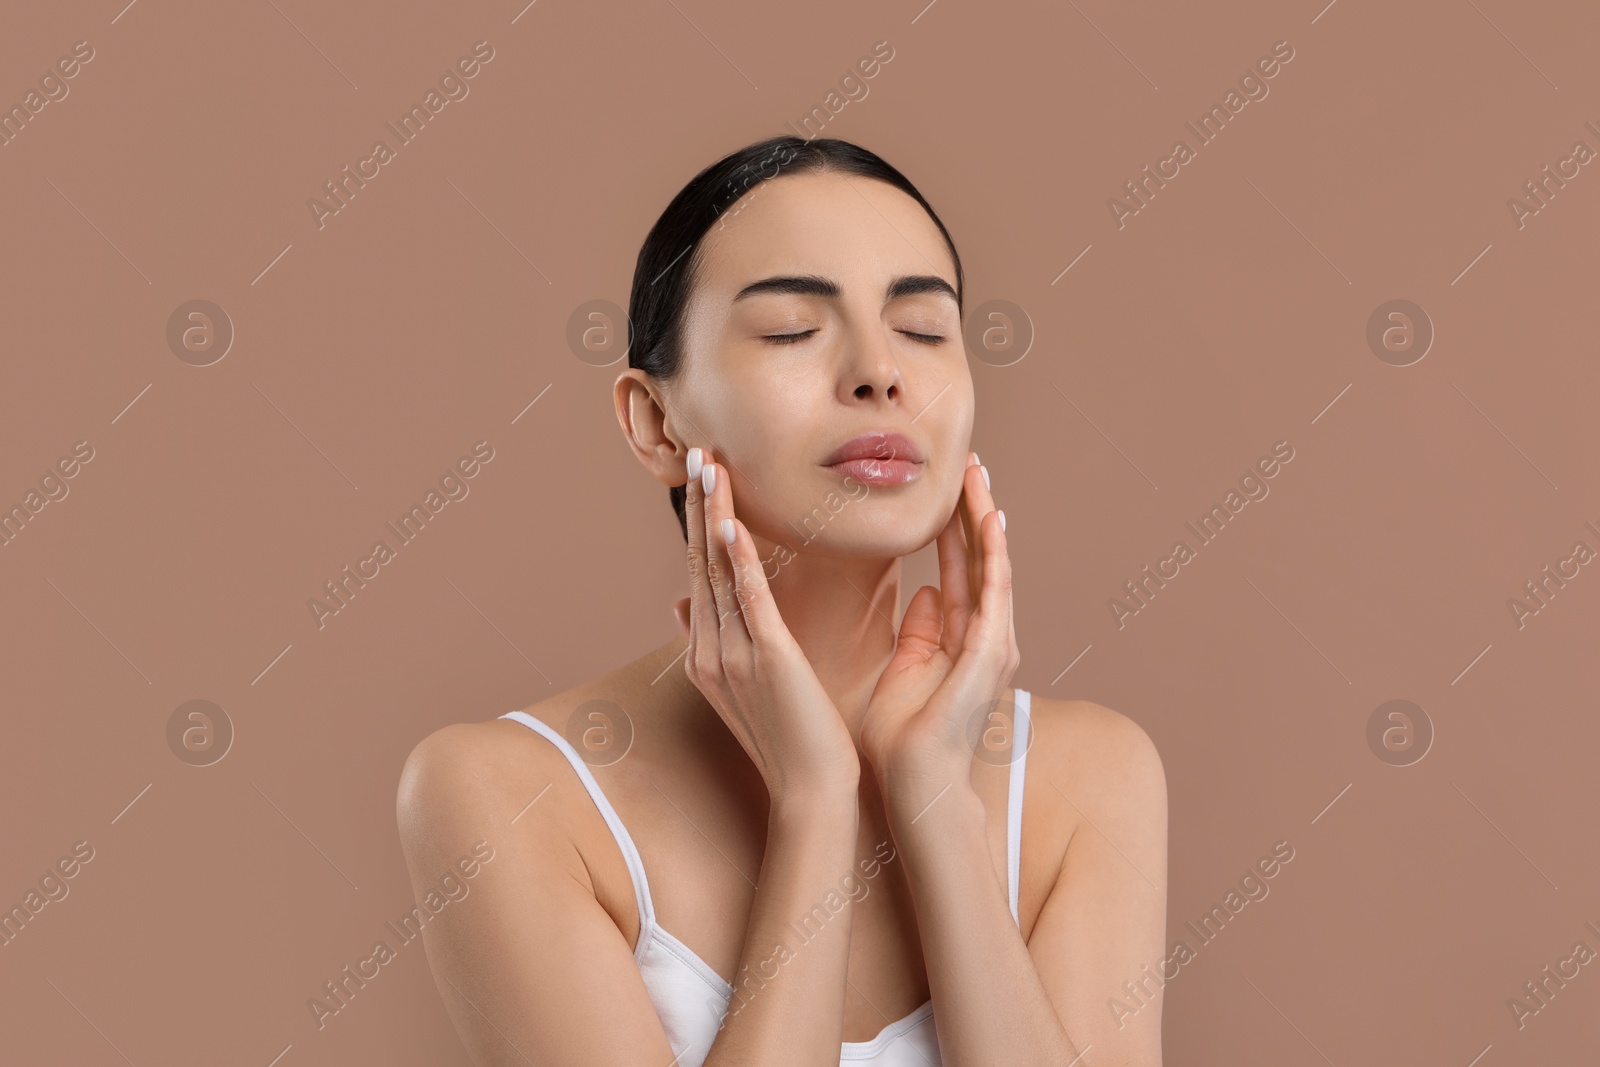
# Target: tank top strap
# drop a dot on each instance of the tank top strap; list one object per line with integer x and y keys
{"x": 1019, "y": 763}
{"x": 630, "y": 854}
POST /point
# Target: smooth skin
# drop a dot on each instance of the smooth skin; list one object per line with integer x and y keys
{"x": 791, "y": 731}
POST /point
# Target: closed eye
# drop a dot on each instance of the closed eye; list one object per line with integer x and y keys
{"x": 791, "y": 338}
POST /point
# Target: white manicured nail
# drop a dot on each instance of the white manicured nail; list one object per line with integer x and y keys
{"x": 708, "y": 478}
{"x": 975, "y": 460}
{"x": 727, "y": 530}
{"x": 985, "y": 471}
{"x": 1002, "y": 521}
{"x": 696, "y": 458}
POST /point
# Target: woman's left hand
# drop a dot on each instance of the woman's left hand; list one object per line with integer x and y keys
{"x": 956, "y": 654}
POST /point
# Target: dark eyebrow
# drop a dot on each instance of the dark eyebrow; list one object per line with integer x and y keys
{"x": 813, "y": 285}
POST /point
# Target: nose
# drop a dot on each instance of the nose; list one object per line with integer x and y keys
{"x": 871, "y": 371}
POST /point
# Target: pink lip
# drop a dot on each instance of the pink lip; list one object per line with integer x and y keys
{"x": 877, "y": 445}
{"x": 880, "y": 458}
{"x": 878, "y": 471}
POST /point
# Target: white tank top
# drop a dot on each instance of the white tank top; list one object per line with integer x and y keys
{"x": 692, "y": 999}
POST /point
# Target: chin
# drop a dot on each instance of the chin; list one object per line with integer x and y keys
{"x": 869, "y": 527}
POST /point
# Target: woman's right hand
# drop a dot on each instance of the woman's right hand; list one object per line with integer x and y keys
{"x": 743, "y": 658}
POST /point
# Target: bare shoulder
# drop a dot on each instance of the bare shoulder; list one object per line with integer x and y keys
{"x": 1100, "y": 760}
{"x": 449, "y": 765}
{"x": 476, "y": 772}
{"x": 534, "y": 948}
{"x": 496, "y": 781}
{"x": 494, "y": 760}
{"x": 1083, "y": 732}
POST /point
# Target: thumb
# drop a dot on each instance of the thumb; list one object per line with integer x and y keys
{"x": 680, "y": 611}
{"x": 924, "y": 621}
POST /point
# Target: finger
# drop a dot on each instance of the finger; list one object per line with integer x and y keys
{"x": 969, "y": 534}
{"x": 954, "y": 588}
{"x": 702, "y": 604}
{"x": 996, "y": 575}
{"x": 1011, "y": 598}
{"x": 762, "y": 620}
{"x": 991, "y": 636}
{"x": 980, "y": 501}
{"x": 962, "y": 585}
{"x": 921, "y": 629}
{"x": 719, "y": 566}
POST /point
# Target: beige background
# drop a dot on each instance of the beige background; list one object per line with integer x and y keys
{"x": 429, "y": 313}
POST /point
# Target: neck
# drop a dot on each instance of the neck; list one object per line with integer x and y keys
{"x": 843, "y": 612}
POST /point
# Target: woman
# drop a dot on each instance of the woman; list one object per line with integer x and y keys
{"x": 796, "y": 833}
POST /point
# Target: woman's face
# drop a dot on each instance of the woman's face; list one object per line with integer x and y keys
{"x": 824, "y": 310}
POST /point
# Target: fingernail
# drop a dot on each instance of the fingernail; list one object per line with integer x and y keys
{"x": 708, "y": 478}
{"x": 696, "y": 458}
{"x": 1002, "y": 521}
{"x": 985, "y": 471}
{"x": 727, "y": 530}
{"x": 975, "y": 461}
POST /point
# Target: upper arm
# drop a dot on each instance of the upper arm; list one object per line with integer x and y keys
{"x": 1103, "y": 923}
{"x": 530, "y": 966}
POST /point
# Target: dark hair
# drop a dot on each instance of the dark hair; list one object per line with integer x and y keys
{"x": 665, "y": 271}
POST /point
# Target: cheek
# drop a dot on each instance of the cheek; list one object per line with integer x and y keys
{"x": 772, "y": 428}
{"x": 957, "y": 479}
{"x": 771, "y": 464}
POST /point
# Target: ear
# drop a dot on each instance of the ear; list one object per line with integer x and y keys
{"x": 643, "y": 413}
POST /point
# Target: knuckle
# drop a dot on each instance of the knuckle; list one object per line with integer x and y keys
{"x": 753, "y": 580}
{"x": 739, "y": 666}
{"x": 996, "y": 646}
{"x": 707, "y": 665}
